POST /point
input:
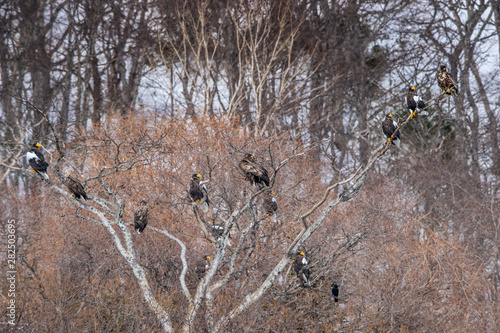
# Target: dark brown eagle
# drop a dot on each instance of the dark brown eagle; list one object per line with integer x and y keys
{"x": 198, "y": 192}
{"x": 335, "y": 292}
{"x": 389, "y": 127}
{"x": 37, "y": 161}
{"x": 446, "y": 82}
{"x": 301, "y": 267}
{"x": 141, "y": 217}
{"x": 202, "y": 266}
{"x": 414, "y": 101}
{"x": 270, "y": 204}
{"x": 254, "y": 172}
{"x": 74, "y": 186}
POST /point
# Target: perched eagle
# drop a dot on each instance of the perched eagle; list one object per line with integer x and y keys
{"x": 37, "y": 161}
{"x": 141, "y": 217}
{"x": 218, "y": 231}
{"x": 414, "y": 101}
{"x": 301, "y": 267}
{"x": 446, "y": 82}
{"x": 335, "y": 292}
{"x": 74, "y": 186}
{"x": 389, "y": 125}
{"x": 198, "y": 192}
{"x": 202, "y": 266}
{"x": 254, "y": 172}
{"x": 270, "y": 204}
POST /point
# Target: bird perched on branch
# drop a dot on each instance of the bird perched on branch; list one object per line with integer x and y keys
{"x": 37, "y": 161}
{"x": 414, "y": 101}
{"x": 74, "y": 186}
{"x": 389, "y": 126}
{"x": 254, "y": 172}
{"x": 270, "y": 204}
{"x": 218, "y": 231}
{"x": 198, "y": 192}
{"x": 335, "y": 292}
{"x": 141, "y": 217}
{"x": 301, "y": 267}
{"x": 446, "y": 82}
{"x": 202, "y": 266}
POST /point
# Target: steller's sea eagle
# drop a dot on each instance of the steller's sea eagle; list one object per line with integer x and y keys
{"x": 446, "y": 82}
{"x": 254, "y": 172}
{"x": 37, "y": 161}
{"x": 198, "y": 192}
{"x": 414, "y": 101}
{"x": 270, "y": 204}
{"x": 74, "y": 186}
{"x": 202, "y": 266}
{"x": 141, "y": 217}
{"x": 301, "y": 268}
{"x": 389, "y": 126}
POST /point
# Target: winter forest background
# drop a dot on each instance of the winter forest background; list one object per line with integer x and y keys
{"x": 137, "y": 95}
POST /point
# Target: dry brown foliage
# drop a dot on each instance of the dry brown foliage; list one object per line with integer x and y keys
{"x": 407, "y": 255}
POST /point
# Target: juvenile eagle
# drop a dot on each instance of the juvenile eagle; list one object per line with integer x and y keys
{"x": 301, "y": 268}
{"x": 270, "y": 204}
{"x": 74, "y": 186}
{"x": 202, "y": 266}
{"x": 37, "y": 161}
{"x": 335, "y": 292}
{"x": 198, "y": 192}
{"x": 141, "y": 217}
{"x": 414, "y": 101}
{"x": 389, "y": 126}
{"x": 446, "y": 82}
{"x": 254, "y": 172}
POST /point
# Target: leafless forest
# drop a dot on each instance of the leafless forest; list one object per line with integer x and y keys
{"x": 133, "y": 97}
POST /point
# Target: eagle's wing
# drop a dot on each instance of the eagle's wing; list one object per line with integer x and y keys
{"x": 141, "y": 215}
{"x": 31, "y": 155}
{"x": 449, "y": 80}
{"x": 250, "y": 167}
{"x": 76, "y": 187}
{"x": 42, "y": 158}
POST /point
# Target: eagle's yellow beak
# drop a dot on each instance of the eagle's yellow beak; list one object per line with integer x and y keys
{"x": 390, "y": 115}
{"x": 209, "y": 258}
{"x": 38, "y": 145}
{"x": 412, "y": 88}
{"x": 302, "y": 254}
{"x": 198, "y": 175}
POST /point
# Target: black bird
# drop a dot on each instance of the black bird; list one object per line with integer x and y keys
{"x": 198, "y": 192}
{"x": 202, "y": 266}
{"x": 141, "y": 217}
{"x": 75, "y": 187}
{"x": 389, "y": 127}
{"x": 414, "y": 101}
{"x": 254, "y": 172}
{"x": 446, "y": 82}
{"x": 301, "y": 267}
{"x": 335, "y": 292}
{"x": 37, "y": 161}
